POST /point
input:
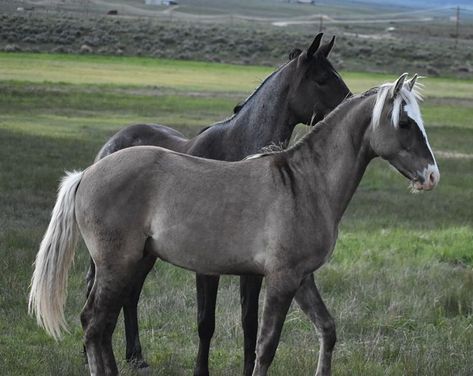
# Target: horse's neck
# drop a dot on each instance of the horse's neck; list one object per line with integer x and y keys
{"x": 335, "y": 155}
{"x": 266, "y": 117}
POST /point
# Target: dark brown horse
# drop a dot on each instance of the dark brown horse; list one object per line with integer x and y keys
{"x": 302, "y": 90}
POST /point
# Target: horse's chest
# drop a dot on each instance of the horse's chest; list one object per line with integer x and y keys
{"x": 317, "y": 248}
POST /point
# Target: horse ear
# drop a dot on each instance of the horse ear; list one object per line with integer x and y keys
{"x": 326, "y": 48}
{"x": 315, "y": 45}
{"x": 294, "y": 53}
{"x": 398, "y": 85}
{"x": 412, "y": 82}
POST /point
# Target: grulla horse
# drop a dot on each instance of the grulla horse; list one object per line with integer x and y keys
{"x": 274, "y": 215}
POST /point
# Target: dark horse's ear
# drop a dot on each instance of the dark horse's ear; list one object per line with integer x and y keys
{"x": 326, "y": 48}
{"x": 315, "y": 45}
{"x": 294, "y": 53}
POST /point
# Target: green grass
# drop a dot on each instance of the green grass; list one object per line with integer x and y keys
{"x": 184, "y": 75}
{"x": 399, "y": 283}
{"x": 81, "y": 69}
{"x": 436, "y": 87}
{"x": 435, "y": 114}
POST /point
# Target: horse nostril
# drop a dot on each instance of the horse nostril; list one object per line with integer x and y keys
{"x": 432, "y": 178}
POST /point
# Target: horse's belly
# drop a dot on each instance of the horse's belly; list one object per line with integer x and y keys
{"x": 209, "y": 255}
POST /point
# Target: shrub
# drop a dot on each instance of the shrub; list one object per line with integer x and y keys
{"x": 85, "y": 49}
{"x": 11, "y": 48}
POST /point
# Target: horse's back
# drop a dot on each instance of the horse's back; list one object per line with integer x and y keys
{"x": 130, "y": 178}
{"x": 151, "y": 192}
{"x": 144, "y": 134}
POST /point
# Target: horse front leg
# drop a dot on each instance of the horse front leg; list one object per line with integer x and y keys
{"x": 250, "y": 287}
{"x": 134, "y": 354}
{"x": 207, "y": 287}
{"x": 280, "y": 290}
{"x": 311, "y": 302}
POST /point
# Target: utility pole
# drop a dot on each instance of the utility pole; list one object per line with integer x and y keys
{"x": 457, "y": 26}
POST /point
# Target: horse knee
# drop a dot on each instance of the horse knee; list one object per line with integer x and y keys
{"x": 93, "y": 325}
{"x": 92, "y": 333}
{"x": 84, "y": 319}
{"x": 329, "y": 333}
{"x": 206, "y": 324}
{"x": 250, "y": 287}
{"x": 206, "y": 321}
{"x": 264, "y": 356}
{"x": 266, "y": 347}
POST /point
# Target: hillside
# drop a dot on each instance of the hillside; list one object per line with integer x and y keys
{"x": 374, "y": 38}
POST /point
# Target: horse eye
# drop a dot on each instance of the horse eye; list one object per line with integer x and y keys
{"x": 404, "y": 124}
{"x": 322, "y": 80}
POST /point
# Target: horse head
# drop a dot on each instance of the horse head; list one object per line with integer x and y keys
{"x": 317, "y": 87}
{"x": 398, "y": 133}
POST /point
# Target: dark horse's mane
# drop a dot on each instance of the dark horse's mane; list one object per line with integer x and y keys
{"x": 292, "y": 55}
{"x": 326, "y": 121}
{"x": 280, "y": 148}
{"x": 240, "y": 105}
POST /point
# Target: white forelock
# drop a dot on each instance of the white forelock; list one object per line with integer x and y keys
{"x": 411, "y": 107}
{"x": 407, "y": 96}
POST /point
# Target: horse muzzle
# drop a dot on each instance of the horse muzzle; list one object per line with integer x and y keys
{"x": 427, "y": 179}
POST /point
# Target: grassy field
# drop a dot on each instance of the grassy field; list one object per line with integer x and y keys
{"x": 399, "y": 284}
{"x": 181, "y": 75}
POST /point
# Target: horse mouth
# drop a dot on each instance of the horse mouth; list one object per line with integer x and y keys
{"x": 416, "y": 185}
{"x": 406, "y": 174}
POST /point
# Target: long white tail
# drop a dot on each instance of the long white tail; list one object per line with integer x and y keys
{"x": 54, "y": 259}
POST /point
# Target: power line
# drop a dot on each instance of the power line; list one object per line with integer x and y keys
{"x": 457, "y": 26}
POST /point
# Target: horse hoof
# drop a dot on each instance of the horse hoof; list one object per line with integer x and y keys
{"x": 139, "y": 365}
{"x": 144, "y": 370}
{"x": 201, "y": 374}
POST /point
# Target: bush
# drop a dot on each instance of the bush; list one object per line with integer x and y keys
{"x": 231, "y": 44}
{"x": 85, "y": 49}
{"x": 431, "y": 71}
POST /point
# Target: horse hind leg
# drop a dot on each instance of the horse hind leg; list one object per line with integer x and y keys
{"x": 89, "y": 279}
{"x": 112, "y": 284}
{"x": 92, "y": 336}
{"x": 134, "y": 354}
{"x": 99, "y": 318}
